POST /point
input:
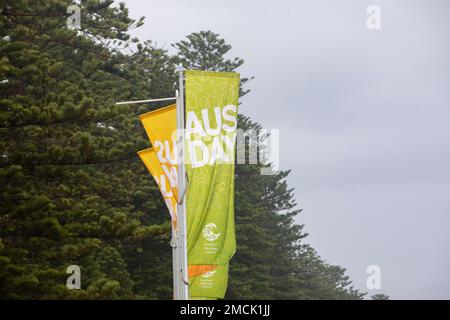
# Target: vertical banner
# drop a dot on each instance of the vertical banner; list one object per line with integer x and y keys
{"x": 211, "y": 121}
{"x": 159, "y": 126}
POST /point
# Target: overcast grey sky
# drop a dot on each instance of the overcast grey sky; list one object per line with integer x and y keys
{"x": 363, "y": 118}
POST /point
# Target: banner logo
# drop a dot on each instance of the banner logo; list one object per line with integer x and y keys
{"x": 208, "y": 232}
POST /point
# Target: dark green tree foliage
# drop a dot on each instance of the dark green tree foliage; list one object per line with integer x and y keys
{"x": 72, "y": 188}
{"x": 73, "y": 191}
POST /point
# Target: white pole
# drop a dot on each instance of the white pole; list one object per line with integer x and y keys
{"x": 181, "y": 210}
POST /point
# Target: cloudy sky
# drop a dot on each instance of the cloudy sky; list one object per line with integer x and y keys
{"x": 363, "y": 118}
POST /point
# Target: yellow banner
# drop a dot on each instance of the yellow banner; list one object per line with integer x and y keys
{"x": 159, "y": 126}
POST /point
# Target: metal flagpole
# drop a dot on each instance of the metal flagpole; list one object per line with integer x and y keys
{"x": 181, "y": 209}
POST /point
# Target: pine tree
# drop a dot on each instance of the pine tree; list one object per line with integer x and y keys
{"x": 72, "y": 188}
{"x": 205, "y": 50}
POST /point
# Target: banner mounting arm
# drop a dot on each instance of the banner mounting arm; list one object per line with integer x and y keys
{"x": 146, "y": 101}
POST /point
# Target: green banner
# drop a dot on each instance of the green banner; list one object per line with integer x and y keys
{"x": 211, "y": 120}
